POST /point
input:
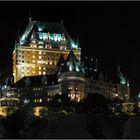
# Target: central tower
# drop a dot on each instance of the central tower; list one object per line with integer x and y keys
{"x": 39, "y": 48}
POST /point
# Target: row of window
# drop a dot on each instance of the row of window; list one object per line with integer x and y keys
{"x": 39, "y": 57}
{"x": 39, "y": 62}
{"x": 75, "y": 81}
{"x": 20, "y": 53}
{"x": 100, "y": 89}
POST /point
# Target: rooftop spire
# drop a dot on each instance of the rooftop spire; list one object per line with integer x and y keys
{"x": 96, "y": 69}
{"x": 77, "y": 41}
{"x": 61, "y": 21}
{"x": 30, "y": 17}
{"x": 118, "y": 67}
{"x": 120, "y": 76}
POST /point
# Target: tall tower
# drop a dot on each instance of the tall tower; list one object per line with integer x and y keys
{"x": 39, "y": 48}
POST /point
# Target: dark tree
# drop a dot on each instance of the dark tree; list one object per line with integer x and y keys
{"x": 96, "y": 102}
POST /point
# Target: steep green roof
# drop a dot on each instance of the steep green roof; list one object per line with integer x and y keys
{"x": 71, "y": 64}
{"x": 41, "y": 29}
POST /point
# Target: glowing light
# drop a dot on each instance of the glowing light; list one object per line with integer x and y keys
{"x": 40, "y": 37}
{"x": 40, "y": 42}
{"x": 26, "y": 101}
{"x": 39, "y": 68}
{"x": 40, "y": 57}
{"x": 40, "y": 46}
{"x": 55, "y": 38}
{"x": 77, "y": 69}
{"x": 44, "y": 73}
{"x": 122, "y": 82}
{"x": 40, "y": 28}
{"x": 44, "y": 37}
{"x": 40, "y": 100}
{"x": 74, "y": 46}
{"x": 59, "y": 38}
{"x": 39, "y": 62}
{"x": 70, "y": 68}
{"x": 39, "y": 72}
{"x": 34, "y": 46}
{"x": 116, "y": 95}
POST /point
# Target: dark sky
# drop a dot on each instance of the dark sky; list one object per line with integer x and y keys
{"x": 109, "y": 31}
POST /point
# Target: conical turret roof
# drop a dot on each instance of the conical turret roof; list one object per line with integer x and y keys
{"x": 72, "y": 63}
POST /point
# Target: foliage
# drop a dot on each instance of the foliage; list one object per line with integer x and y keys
{"x": 96, "y": 103}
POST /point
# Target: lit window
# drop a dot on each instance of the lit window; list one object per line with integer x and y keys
{"x": 50, "y": 63}
{"x": 39, "y": 62}
{"x": 46, "y": 62}
{"x": 33, "y": 71}
{"x": 40, "y": 46}
{"x": 72, "y": 96}
{"x": 59, "y": 38}
{"x": 44, "y": 73}
{"x": 34, "y": 46}
{"x": 33, "y": 61}
{"x": 33, "y": 56}
{"x": 44, "y": 68}
{"x": 55, "y": 38}
{"x": 40, "y": 57}
{"x": 39, "y": 72}
{"x": 40, "y": 100}
{"x": 116, "y": 95}
{"x": 40, "y": 42}
{"x": 40, "y": 52}
{"x": 78, "y": 99}
{"x": 39, "y": 68}
{"x": 33, "y": 67}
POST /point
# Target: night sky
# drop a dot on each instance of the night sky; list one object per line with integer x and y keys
{"x": 109, "y": 31}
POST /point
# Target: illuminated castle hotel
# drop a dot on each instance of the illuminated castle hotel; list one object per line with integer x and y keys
{"x": 46, "y": 62}
{"x": 38, "y": 50}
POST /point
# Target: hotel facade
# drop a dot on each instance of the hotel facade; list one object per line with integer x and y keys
{"x": 47, "y": 62}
